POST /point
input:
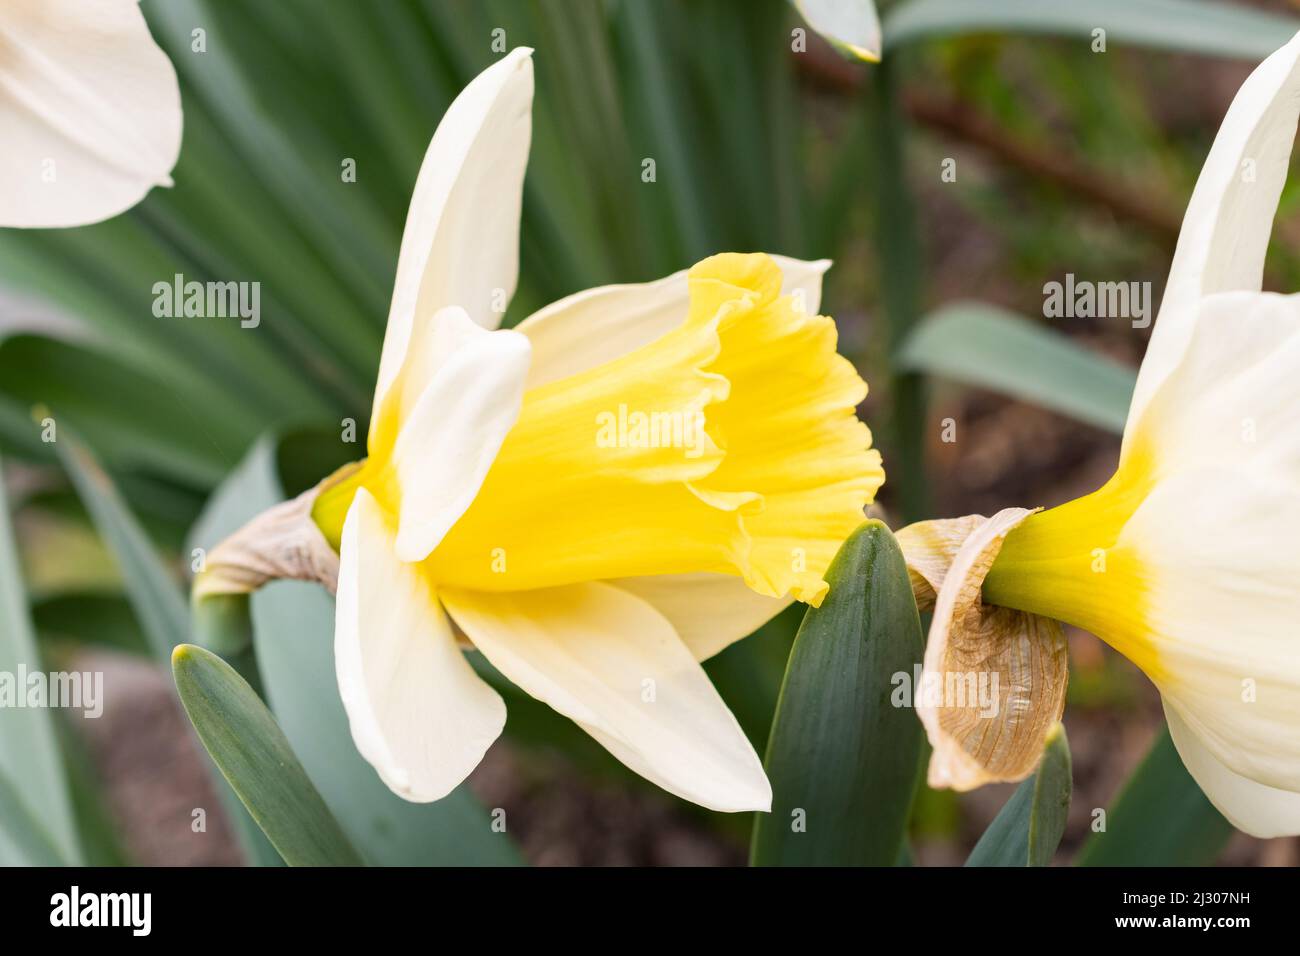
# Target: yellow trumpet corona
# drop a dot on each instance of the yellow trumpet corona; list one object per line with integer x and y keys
{"x": 738, "y": 453}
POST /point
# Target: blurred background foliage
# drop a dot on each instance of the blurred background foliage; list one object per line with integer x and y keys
{"x": 172, "y": 430}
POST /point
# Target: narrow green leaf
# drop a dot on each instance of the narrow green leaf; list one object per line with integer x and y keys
{"x": 656, "y": 89}
{"x": 988, "y": 347}
{"x": 901, "y": 263}
{"x": 24, "y": 840}
{"x": 1189, "y": 26}
{"x": 29, "y": 749}
{"x": 1161, "y": 818}
{"x": 154, "y": 594}
{"x": 843, "y": 760}
{"x": 1029, "y": 828}
{"x": 850, "y": 25}
{"x": 583, "y": 146}
{"x": 96, "y": 828}
{"x": 255, "y": 757}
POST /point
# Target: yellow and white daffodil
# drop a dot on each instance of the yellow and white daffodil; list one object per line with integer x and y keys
{"x": 597, "y": 500}
{"x": 1187, "y": 561}
{"x": 90, "y": 108}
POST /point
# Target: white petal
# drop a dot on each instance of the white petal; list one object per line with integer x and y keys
{"x": 613, "y": 664}
{"x": 1252, "y": 807}
{"x": 708, "y": 611}
{"x": 461, "y": 242}
{"x": 418, "y": 712}
{"x": 1231, "y": 400}
{"x": 453, "y": 433}
{"x": 1220, "y": 582}
{"x": 90, "y": 109}
{"x": 597, "y": 325}
{"x": 1230, "y": 216}
{"x": 853, "y": 26}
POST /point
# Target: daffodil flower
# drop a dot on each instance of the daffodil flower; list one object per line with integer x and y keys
{"x": 597, "y": 500}
{"x": 90, "y": 108}
{"x": 1187, "y": 560}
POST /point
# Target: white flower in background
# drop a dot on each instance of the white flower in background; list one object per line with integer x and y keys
{"x": 90, "y": 111}
{"x": 597, "y": 500}
{"x": 1188, "y": 560}
{"x": 850, "y": 25}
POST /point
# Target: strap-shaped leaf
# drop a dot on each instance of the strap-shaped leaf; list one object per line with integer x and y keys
{"x": 988, "y": 347}
{"x": 23, "y": 838}
{"x": 1189, "y": 26}
{"x": 255, "y": 757}
{"x": 29, "y": 751}
{"x": 1028, "y": 829}
{"x": 153, "y": 593}
{"x": 844, "y": 762}
{"x": 1161, "y": 818}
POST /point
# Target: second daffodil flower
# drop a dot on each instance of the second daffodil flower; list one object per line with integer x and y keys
{"x": 630, "y": 480}
{"x": 90, "y": 108}
{"x": 1188, "y": 560}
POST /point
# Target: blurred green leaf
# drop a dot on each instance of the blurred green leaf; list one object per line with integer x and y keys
{"x": 96, "y": 830}
{"x": 844, "y": 762}
{"x": 118, "y": 403}
{"x": 330, "y": 218}
{"x": 293, "y": 625}
{"x": 1029, "y": 828}
{"x": 901, "y": 258}
{"x": 104, "y": 276}
{"x": 24, "y": 840}
{"x": 657, "y": 89}
{"x": 106, "y": 620}
{"x": 850, "y": 25}
{"x": 1160, "y": 818}
{"x": 32, "y": 774}
{"x": 988, "y": 347}
{"x": 255, "y": 757}
{"x": 1189, "y": 26}
{"x": 154, "y": 594}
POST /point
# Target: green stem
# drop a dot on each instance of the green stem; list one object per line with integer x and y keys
{"x": 899, "y": 254}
